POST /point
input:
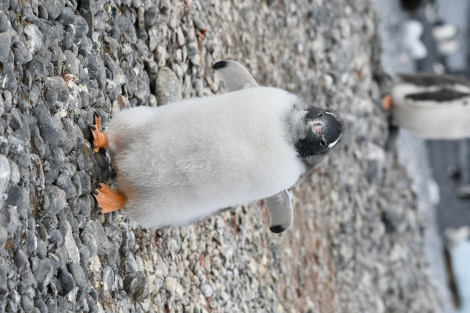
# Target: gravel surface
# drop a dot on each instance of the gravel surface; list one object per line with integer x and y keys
{"x": 357, "y": 241}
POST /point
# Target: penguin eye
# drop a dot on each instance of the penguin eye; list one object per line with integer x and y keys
{"x": 321, "y": 114}
{"x": 323, "y": 143}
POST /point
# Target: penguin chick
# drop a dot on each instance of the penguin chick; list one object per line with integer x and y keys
{"x": 184, "y": 161}
{"x": 430, "y": 106}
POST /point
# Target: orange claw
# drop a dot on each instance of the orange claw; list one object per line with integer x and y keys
{"x": 387, "y": 102}
{"x": 99, "y": 139}
{"x": 109, "y": 200}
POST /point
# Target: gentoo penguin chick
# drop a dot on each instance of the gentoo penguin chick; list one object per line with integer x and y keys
{"x": 430, "y": 106}
{"x": 184, "y": 161}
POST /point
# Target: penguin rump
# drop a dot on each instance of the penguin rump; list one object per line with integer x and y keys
{"x": 184, "y": 161}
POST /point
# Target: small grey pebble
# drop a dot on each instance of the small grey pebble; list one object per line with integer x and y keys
{"x": 27, "y": 303}
{"x": 18, "y": 197}
{"x": 168, "y": 87}
{"x": 150, "y": 16}
{"x": 56, "y": 238}
{"x": 48, "y": 31}
{"x": 67, "y": 16}
{"x": 21, "y": 261}
{"x": 130, "y": 265}
{"x": 3, "y": 282}
{"x": 69, "y": 37}
{"x": 58, "y": 84}
{"x": 5, "y": 39}
{"x": 81, "y": 27}
{"x": 27, "y": 13}
{"x": 42, "y": 12}
{"x": 3, "y": 145}
{"x": 21, "y": 54}
{"x": 66, "y": 282}
{"x": 68, "y": 138}
{"x": 41, "y": 305}
{"x": 5, "y": 174}
{"x": 82, "y": 183}
{"x": 54, "y": 8}
{"x": 50, "y": 306}
{"x": 15, "y": 119}
{"x": 54, "y": 200}
{"x": 46, "y": 126}
{"x": 31, "y": 242}
{"x": 135, "y": 285}
{"x": 54, "y": 162}
{"x": 78, "y": 274}
{"x": 4, "y": 22}
{"x": 71, "y": 63}
{"x": 43, "y": 274}
{"x": 64, "y": 182}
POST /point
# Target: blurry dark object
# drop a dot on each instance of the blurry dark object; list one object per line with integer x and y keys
{"x": 412, "y": 5}
{"x": 462, "y": 190}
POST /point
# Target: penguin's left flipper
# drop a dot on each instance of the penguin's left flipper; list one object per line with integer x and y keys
{"x": 280, "y": 211}
{"x": 234, "y": 75}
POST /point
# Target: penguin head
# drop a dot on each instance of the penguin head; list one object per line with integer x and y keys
{"x": 321, "y": 132}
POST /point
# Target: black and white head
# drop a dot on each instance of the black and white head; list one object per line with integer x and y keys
{"x": 319, "y": 132}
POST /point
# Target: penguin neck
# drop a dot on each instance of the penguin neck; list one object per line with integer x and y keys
{"x": 295, "y": 131}
{"x": 294, "y": 121}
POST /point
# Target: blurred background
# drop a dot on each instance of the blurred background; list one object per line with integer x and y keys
{"x": 432, "y": 36}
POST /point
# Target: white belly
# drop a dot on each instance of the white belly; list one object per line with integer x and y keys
{"x": 186, "y": 160}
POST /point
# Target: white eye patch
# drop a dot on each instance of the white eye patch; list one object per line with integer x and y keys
{"x": 331, "y": 145}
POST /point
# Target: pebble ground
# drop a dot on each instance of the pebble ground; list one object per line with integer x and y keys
{"x": 357, "y": 242}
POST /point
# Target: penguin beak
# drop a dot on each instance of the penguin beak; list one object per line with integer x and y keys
{"x": 317, "y": 126}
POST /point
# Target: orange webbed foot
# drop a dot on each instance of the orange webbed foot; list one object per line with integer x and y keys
{"x": 99, "y": 139}
{"x": 109, "y": 200}
{"x": 387, "y": 102}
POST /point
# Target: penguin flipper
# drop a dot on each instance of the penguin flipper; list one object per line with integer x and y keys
{"x": 280, "y": 211}
{"x": 234, "y": 75}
